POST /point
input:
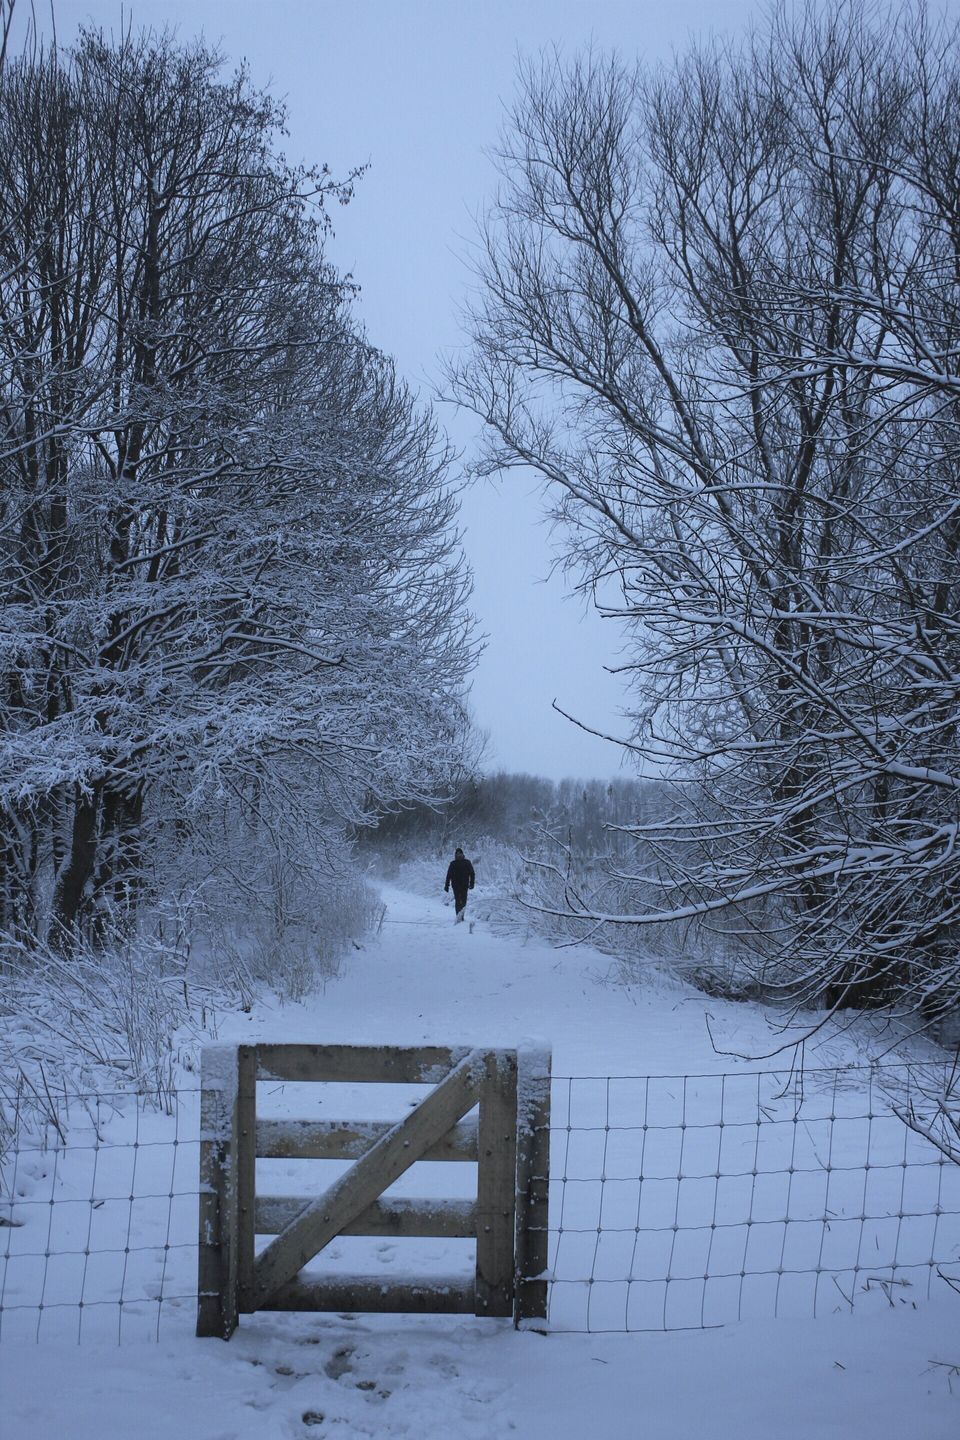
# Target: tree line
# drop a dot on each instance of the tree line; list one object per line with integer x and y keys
{"x": 232, "y": 605}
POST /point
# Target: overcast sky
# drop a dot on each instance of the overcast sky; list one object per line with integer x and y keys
{"x": 416, "y": 89}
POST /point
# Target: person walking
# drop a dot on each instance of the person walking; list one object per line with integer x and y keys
{"x": 460, "y": 875}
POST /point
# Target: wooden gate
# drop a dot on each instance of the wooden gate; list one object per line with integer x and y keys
{"x": 508, "y": 1139}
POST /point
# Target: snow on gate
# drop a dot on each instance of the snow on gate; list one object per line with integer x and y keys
{"x": 675, "y": 1202}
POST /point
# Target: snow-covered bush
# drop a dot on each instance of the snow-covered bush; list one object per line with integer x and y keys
{"x": 130, "y": 1012}
{"x": 124, "y": 1014}
{"x": 247, "y": 953}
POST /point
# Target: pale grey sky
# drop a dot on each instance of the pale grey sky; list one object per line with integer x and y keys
{"x": 416, "y": 88}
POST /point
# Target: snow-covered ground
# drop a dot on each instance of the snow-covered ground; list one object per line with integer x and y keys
{"x": 885, "y": 1371}
{"x": 880, "y": 1377}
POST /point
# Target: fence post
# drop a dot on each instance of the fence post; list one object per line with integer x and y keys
{"x": 217, "y": 1256}
{"x": 533, "y": 1182}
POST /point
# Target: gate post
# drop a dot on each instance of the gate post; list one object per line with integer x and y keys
{"x": 244, "y": 1136}
{"x": 533, "y": 1182}
{"x": 496, "y": 1187}
{"x": 227, "y": 1155}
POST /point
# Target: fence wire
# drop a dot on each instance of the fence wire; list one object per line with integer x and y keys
{"x": 676, "y": 1202}
{"x": 689, "y": 1201}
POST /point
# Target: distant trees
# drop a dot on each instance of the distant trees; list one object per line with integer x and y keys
{"x": 720, "y": 315}
{"x": 229, "y": 582}
{"x": 527, "y": 812}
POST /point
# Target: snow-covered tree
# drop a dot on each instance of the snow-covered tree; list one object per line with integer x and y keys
{"x": 720, "y": 317}
{"x": 229, "y": 569}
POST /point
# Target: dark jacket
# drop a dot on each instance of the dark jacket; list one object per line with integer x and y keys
{"x": 460, "y": 875}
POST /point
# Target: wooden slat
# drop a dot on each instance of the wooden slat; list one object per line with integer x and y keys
{"x": 533, "y": 1184}
{"x": 393, "y": 1294}
{"x": 496, "y": 1184}
{"x": 216, "y": 1294}
{"x": 366, "y": 1179}
{"x": 446, "y": 1219}
{"x": 245, "y": 1170}
{"x": 354, "y": 1064}
{"x": 349, "y": 1139}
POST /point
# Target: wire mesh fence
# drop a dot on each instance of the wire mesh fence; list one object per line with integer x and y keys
{"x": 684, "y": 1202}
{"x": 98, "y": 1218}
{"x": 675, "y": 1202}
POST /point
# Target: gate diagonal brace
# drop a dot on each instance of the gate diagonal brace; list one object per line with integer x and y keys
{"x": 367, "y": 1178}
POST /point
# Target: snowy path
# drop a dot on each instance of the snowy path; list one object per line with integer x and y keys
{"x": 426, "y": 979}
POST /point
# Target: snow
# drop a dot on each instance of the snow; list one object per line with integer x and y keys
{"x": 884, "y": 1371}
{"x": 885, "y": 1376}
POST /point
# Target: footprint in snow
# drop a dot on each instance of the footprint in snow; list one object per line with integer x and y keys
{"x": 339, "y": 1363}
{"x": 372, "y": 1389}
{"x": 445, "y": 1365}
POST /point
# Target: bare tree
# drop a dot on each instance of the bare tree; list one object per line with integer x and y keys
{"x": 716, "y": 301}
{"x": 7, "y": 8}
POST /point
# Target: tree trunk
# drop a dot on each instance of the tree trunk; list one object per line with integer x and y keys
{"x": 75, "y": 873}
